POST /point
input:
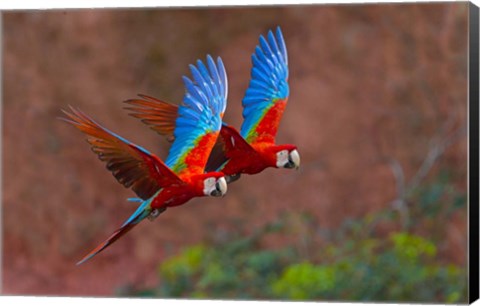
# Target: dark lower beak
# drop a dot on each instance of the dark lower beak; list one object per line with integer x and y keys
{"x": 290, "y": 164}
{"x": 216, "y": 193}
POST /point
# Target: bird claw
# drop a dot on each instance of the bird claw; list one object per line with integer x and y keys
{"x": 232, "y": 178}
{"x": 155, "y": 213}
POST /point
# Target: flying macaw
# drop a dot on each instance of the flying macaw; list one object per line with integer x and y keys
{"x": 160, "y": 185}
{"x": 253, "y": 149}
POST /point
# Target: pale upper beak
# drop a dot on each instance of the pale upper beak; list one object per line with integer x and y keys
{"x": 294, "y": 158}
{"x": 222, "y": 185}
{"x": 220, "y": 188}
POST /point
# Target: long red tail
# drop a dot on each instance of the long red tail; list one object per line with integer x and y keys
{"x": 117, "y": 234}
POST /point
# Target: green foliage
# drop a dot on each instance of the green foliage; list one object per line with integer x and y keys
{"x": 410, "y": 247}
{"x": 353, "y": 262}
{"x": 438, "y": 198}
{"x": 397, "y": 269}
{"x": 301, "y": 281}
{"x": 177, "y": 271}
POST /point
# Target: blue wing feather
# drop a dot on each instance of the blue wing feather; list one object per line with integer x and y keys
{"x": 212, "y": 89}
{"x": 262, "y": 60}
{"x": 258, "y": 84}
{"x": 192, "y": 91}
{"x": 273, "y": 44}
{"x": 258, "y": 74}
{"x": 269, "y": 80}
{"x": 203, "y": 77}
{"x": 216, "y": 84}
{"x": 223, "y": 84}
{"x": 201, "y": 111}
{"x": 282, "y": 46}
{"x": 264, "y": 44}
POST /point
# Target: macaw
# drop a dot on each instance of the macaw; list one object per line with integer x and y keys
{"x": 160, "y": 185}
{"x": 253, "y": 149}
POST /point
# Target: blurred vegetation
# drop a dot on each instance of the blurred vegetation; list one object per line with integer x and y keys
{"x": 379, "y": 257}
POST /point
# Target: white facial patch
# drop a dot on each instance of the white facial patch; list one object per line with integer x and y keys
{"x": 282, "y": 158}
{"x": 209, "y": 185}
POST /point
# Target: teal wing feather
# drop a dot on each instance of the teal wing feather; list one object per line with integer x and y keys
{"x": 268, "y": 82}
{"x": 200, "y": 114}
{"x": 141, "y": 213}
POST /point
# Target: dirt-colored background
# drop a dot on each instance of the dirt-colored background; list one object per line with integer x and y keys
{"x": 369, "y": 83}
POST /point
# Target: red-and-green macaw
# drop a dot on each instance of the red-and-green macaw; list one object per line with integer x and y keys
{"x": 160, "y": 185}
{"x": 252, "y": 149}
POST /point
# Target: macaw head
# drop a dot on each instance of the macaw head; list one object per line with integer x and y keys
{"x": 285, "y": 156}
{"x": 212, "y": 184}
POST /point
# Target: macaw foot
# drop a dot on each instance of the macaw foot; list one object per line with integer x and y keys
{"x": 155, "y": 213}
{"x": 232, "y": 178}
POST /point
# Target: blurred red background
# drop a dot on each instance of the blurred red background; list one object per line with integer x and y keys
{"x": 369, "y": 83}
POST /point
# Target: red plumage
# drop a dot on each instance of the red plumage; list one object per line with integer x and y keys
{"x": 145, "y": 173}
{"x": 231, "y": 154}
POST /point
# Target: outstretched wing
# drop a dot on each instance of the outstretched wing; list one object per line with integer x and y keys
{"x": 130, "y": 164}
{"x": 229, "y": 143}
{"x": 161, "y": 116}
{"x": 267, "y": 94}
{"x": 157, "y": 114}
{"x": 199, "y": 118}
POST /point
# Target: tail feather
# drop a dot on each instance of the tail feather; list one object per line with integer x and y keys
{"x": 117, "y": 234}
{"x": 141, "y": 213}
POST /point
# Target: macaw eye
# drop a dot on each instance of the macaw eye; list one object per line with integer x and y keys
{"x": 209, "y": 185}
{"x": 282, "y": 158}
{"x": 155, "y": 213}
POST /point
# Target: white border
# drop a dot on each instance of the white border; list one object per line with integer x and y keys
{"x": 56, "y": 4}
{"x": 49, "y": 4}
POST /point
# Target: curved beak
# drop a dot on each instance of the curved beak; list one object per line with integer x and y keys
{"x": 220, "y": 188}
{"x": 294, "y": 159}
